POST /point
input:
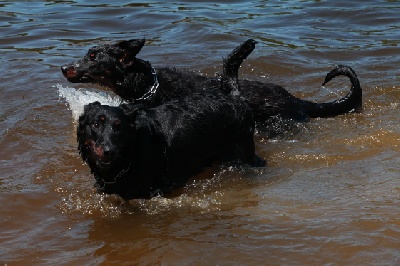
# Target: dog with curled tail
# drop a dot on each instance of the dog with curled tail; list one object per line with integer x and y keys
{"x": 275, "y": 110}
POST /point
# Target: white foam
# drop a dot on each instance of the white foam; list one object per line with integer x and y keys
{"x": 76, "y": 99}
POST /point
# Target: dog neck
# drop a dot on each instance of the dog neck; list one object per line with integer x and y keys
{"x": 113, "y": 180}
{"x": 116, "y": 177}
{"x": 136, "y": 82}
{"x": 153, "y": 89}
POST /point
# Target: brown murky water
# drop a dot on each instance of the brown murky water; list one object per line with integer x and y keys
{"x": 330, "y": 194}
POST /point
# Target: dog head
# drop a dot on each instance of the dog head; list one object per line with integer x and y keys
{"x": 108, "y": 64}
{"x": 103, "y": 135}
{"x": 108, "y": 143}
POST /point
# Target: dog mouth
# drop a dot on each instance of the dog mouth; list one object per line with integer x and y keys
{"x": 104, "y": 163}
{"x": 103, "y": 158}
{"x": 73, "y": 75}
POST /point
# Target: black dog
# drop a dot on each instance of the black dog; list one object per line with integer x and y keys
{"x": 275, "y": 110}
{"x": 134, "y": 79}
{"x": 136, "y": 152}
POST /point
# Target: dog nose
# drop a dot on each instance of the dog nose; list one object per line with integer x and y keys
{"x": 64, "y": 69}
{"x": 69, "y": 72}
{"x": 108, "y": 151}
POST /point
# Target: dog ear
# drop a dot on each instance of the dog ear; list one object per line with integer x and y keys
{"x": 91, "y": 106}
{"x": 85, "y": 115}
{"x": 129, "y": 51}
{"x": 132, "y": 47}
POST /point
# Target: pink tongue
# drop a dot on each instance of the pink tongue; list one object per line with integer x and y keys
{"x": 98, "y": 151}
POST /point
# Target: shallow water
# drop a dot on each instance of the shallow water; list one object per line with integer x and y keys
{"x": 330, "y": 193}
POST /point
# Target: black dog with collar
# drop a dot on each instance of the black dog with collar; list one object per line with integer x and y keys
{"x": 137, "y": 152}
{"x": 275, "y": 110}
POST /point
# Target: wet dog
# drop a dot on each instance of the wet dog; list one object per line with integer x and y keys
{"x": 274, "y": 108}
{"x": 138, "y": 152}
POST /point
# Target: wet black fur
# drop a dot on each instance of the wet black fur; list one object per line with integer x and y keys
{"x": 273, "y": 107}
{"x": 142, "y": 151}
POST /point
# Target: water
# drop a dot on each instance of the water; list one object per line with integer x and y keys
{"x": 330, "y": 193}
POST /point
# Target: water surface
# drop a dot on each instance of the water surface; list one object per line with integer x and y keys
{"x": 330, "y": 193}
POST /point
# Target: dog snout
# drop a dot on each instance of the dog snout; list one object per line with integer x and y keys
{"x": 108, "y": 152}
{"x": 69, "y": 72}
{"x": 104, "y": 154}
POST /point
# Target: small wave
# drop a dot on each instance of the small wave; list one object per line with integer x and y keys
{"x": 112, "y": 206}
{"x": 202, "y": 195}
{"x": 76, "y": 99}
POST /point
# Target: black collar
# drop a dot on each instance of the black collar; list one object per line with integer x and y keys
{"x": 118, "y": 176}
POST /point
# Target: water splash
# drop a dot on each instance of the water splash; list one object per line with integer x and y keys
{"x": 198, "y": 196}
{"x": 92, "y": 203}
{"x": 76, "y": 99}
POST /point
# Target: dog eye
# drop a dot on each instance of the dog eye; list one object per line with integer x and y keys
{"x": 92, "y": 56}
{"x": 96, "y": 125}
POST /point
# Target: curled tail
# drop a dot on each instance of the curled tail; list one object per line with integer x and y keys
{"x": 351, "y": 103}
{"x": 232, "y": 63}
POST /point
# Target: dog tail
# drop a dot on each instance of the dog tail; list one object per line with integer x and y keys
{"x": 231, "y": 66}
{"x": 351, "y": 103}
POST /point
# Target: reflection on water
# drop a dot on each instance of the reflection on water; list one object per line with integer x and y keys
{"x": 330, "y": 192}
